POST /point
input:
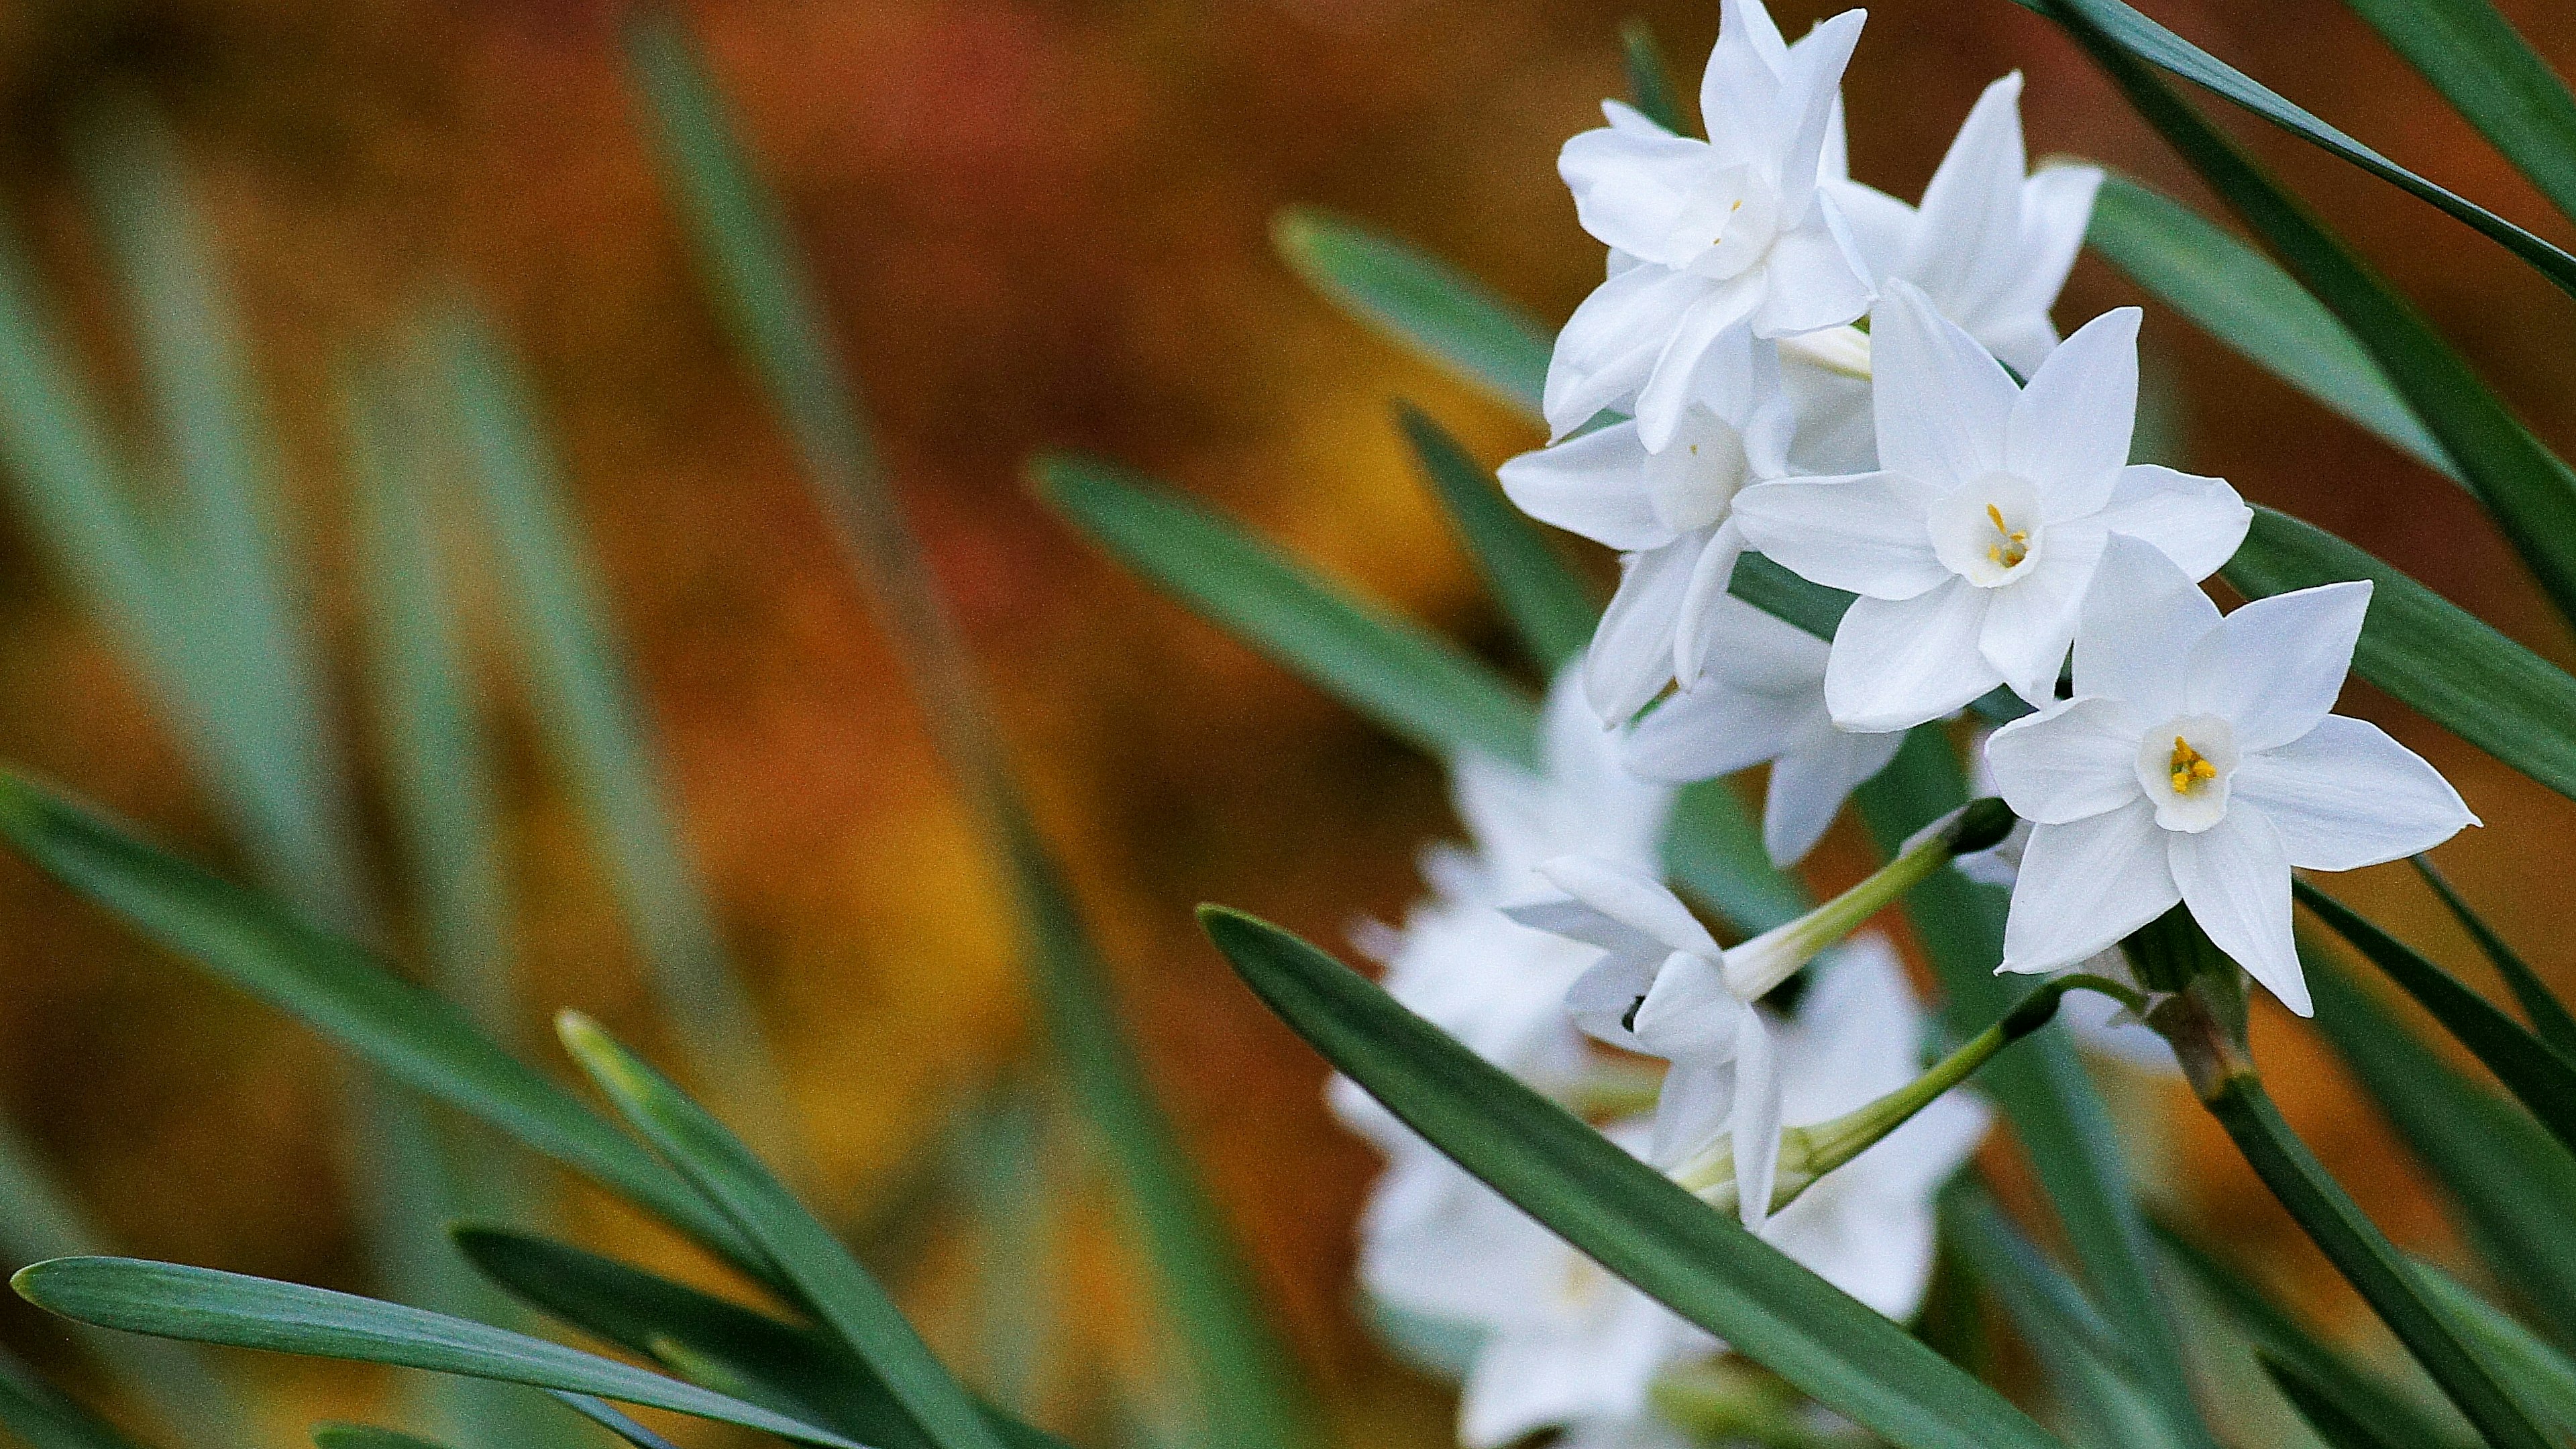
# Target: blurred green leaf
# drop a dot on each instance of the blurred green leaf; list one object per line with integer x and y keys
{"x": 1650, "y": 81}
{"x": 2055, "y": 1111}
{"x": 206, "y": 1306}
{"x": 2529, "y": 492}
{"x": 823, "y": 1273}
{"x": 2509, "y": 1180}
{"x": 2490, "y": 75}
{"x": 2427, "y": 651}
{"x": 2529, "y": 1068}
{"x": 2544, "y": 1377}
{"x": 1635, "y": 1222}
{"x": 2549, "y": 1016}
{"x": 367, "y": 1436}
{"x": 1244, "y": 1372}
{"x": 339, "y": 990}
{"x": 2137, "y": 35}
{"x": 1550, "y": 606}
{"x": 2243, "y": 299}
{"x": 2333, "y": 1423}
{"x": 615, "y": 1420}
{"x": 46, "y": 1418}
{"x": 1419, "y": 302}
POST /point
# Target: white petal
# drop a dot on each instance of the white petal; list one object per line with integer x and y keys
{"x": 1970, "y": 235}
{"x": 2075, "y": 760}
{"x": 1632, "y": 651}
{"x": 1692, "y": 1111}
{"x": 2070, "y": 429}
{"x": 2197, "y": 521}
{"x": 1688, "y": 1014}
{"x": 1603, "y": 1000}
{"x": 1818, "y": 278}
{"x": 2141, "y": 618}
{"x": 1594, "y": 485}
{"x": 1707, "y": 361}
{"x": 1631, "y": 900}
{"x": 1631, "y": 187}
{"x": 2056, "y": 207}
{"x": 1718, "y": 729}
{"x": 1810, "y": 89}
{"x": 2273, "y": 668}
{"x": 1739, "y": 93}
{"x": 1864, "y": 533}
{"x": 1607, "y": 347}
{"x": 1898, "y": 663}
{"x": 1942, "y": 403}
{"x": 2236, "y": 877}
{"x": 2085, "y": 884}
{"x": 1880, "y": 225}
{"x": 1757, "y": 1119}
{"x": 2346, "y": 795}
{"x": 2031, "y": 621}
{"x": 1807, "y": 788}
{"x": 1698, "y": 627}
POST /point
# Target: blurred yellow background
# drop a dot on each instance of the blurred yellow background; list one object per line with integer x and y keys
{"x": 1042, "y": 225}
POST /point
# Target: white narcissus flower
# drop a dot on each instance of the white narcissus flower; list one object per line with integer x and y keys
{"x": 1668, "y": 515}
{"x": 1763, "y": 700}
{"x": 1973, "y": 547}
{"x": 1990, "y": 246}
{"x": 2198, "y": 763}
{"x": 1713, "y": 243}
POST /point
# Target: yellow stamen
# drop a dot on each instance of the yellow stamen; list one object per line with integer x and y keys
{"x": 2188, "y": 767}
{"x": 2014, "y": 544}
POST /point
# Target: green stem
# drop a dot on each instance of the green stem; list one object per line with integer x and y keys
{"x": 1762, "y": 963}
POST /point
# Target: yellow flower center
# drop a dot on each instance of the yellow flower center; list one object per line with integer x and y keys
{"x": 2011, "y": 545}
{"x": 2188, "y": 768}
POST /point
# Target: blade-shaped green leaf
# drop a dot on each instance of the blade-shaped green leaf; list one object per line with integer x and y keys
{"x": 825, "y": 1276}
{"x": 2333, "y": 1423}
{"x": 367, "y": 1436}
{"x": 2510, "y": 1181}
{"x": 2544, "y": 1081}
{"x": 2490, "y": 75}
{"x": 205, "y": 1306}
{"x": 1697, "y": 1261}
{"x": 1650, "y": 81}
{"x": 615, "y": 1420}
{"x": 46, "y": 1418}
{"x": 261, "y": 948}
{"x": 2550, "y": 1019}
{"x": 2244, "y": 300}
{"x": 1244, "y": 1372}
{"x": 1549, "y": 605}
{"x": 1419, "y": 302}
{"x": 2137, "y": 35}
{"x": 2436, "y": 656}
{"x": 2529, "y": 492}
{"x": 2543, "y": 1376}
{"x": 2055, "y": 1111}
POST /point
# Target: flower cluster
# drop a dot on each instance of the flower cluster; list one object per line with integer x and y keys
{"x": 1872, "y": 396}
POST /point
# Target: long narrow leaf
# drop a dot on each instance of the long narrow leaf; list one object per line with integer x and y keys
{"x": 46, "y": 1418}
{"x": 2543, "y": 1376}
{"x": 2530, "y": 493}
{"x": 1650, "y": 81}
{"x": 2490, "y": 75}
{"x": 1244, "y": 1371}
{"x": 206, "y": 1306}
{"x": 2083, "y": 1360}
{"x": 615, "y": 1420}
{"x": 1549, "y": 605}
{"x": 2550, "y": 1019}
{"x": 1418, "y": 302}
{"x": 2338, "y": 1426}
{"x": 367, "y": 1436}
{"x": 1698, "y": 1262}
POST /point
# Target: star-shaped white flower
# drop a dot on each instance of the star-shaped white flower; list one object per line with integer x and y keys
{"x": 2198, "y": 762}
{"x": 1668, "y": 514}
{"x": 1990, "y": 246}
{"x": 1763, "y": 700}
{"x": 1973, "y": 547}
{"x": 1713, "y": 243}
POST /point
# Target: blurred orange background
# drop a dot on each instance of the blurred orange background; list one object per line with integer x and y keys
{"x": 1043, "y": 225}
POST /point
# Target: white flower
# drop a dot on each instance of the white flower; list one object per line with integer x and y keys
{"x": 1990, "y": 246}
{"x": 2197, "y": 762}
{"x": 1973, "y": 549}
{"x": 1667, "y": 513}
{"x": 1713, "y": 243}
{"x": 1763, "y": 699}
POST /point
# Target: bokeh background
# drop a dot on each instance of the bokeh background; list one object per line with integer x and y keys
{"x": 1037, "y": 225}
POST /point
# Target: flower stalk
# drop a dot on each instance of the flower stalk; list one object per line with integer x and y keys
{"x": 1755, "y": 967}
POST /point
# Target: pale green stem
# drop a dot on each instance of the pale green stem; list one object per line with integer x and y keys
{"x": 1762, "y": 963}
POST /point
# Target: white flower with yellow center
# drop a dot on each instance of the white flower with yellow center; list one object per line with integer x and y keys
{"x": 1973, "y": 547}
{"x": 2198, "y": 763}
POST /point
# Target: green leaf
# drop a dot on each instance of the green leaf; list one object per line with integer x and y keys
{"x": 2135, "y": 34}
{"x": 46, "y": 1418}
{"x": 2549, "y": 1016}
{"x": 2543, "y": 1377}
{"x": 1550, "y": 606}
{"x": 1244, "y": 1372}
{"x": 805, "y": 1253}
{"x": 2055, "y": 1112}
{"x": 339, "y": 990}
{"x": 367, "y": 1436}
{"x": 2530, "y": 493}
{"x": 1784, "y": 595}
{"x": 2243, "y": 300}
{"x": 206, "y": 1306}
{"x": 1650, "y": 81}
{"x": 615, "y": 1420}
{"x": 2510, "y": 1181}
{"x": 2337, "y": 1225}
{"x": 1636, "y": 1223}
{"x": 2337, "y": 1426}
{"x": 1419, "y": 302}
{"x": 2543, "y": 1080}
{"x": 2427, "y": 651}
{"x": 2490, "y": 75}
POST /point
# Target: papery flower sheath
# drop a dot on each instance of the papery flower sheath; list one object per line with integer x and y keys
{"x": 1973, "y": 547}
{"x": 2198, "y": 763}
{"x": 1714, "y": 244}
